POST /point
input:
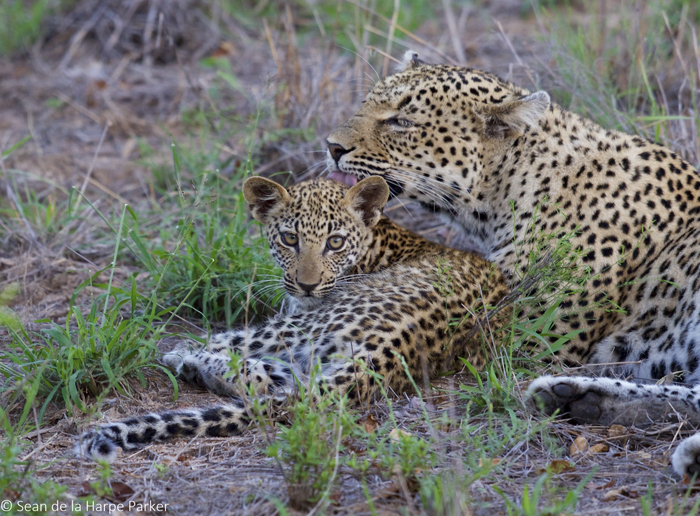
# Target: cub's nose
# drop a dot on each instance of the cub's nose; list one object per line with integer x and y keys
{"x": 307, "y": 287}
{"x": 336, "y": 151}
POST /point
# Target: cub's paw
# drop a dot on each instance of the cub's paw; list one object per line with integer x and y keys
{"x": 686, "y": 459}
{"x": 571, "y": 397}
{"x": 174, "y": 359}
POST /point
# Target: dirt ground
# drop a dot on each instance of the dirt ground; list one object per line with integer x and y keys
{"x": 117, "y": 90}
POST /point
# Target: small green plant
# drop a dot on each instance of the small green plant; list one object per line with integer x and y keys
{"x": 101, "y": 486}
{"x": 535, "y": 498}
{"x": 161, "y": 468}
{"x": 406, "y": 454}
{"x": 309, "y": 449}
{"x": 551, "y": 270}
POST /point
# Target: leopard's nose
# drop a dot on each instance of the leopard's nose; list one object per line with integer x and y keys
{"x": 337, "y": 151}
{"x": 307, "y": 287}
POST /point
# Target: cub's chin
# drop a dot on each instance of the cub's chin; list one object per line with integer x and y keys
{"x": 293, "y": 305}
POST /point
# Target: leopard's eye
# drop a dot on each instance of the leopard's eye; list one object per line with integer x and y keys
{"x": 335, "y": 242}
{"x": 290, "y": 239}
{"x": 399, "y": 122}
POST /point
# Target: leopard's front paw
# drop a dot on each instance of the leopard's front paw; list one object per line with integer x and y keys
{"x": 686, "y": 459}
{"x": 571, "y": 397}
{"x": 174, "y": 359}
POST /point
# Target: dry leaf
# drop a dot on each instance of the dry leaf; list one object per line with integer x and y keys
{"x": 396, "y": 434}
{"x": 494, "y": 462}
{"x": 85, "y": 489}
{"x": 579, "y": 446}
{"x": 226, "y": 48}
{"x": 390, "y": 491}
{"x": 120, "y": 492}
{"x": 641, "y": 455}
{"x": 598, "y": 448}
{"x": 694, "y": 488}
{"x": 556, "y": 467}
{"x": 618, "y": 432}
{"x": 620, "y": 492}
{"x": 607, "y": 485}
{"x": 369, "y": 423}
{"x": 10, "y": 494}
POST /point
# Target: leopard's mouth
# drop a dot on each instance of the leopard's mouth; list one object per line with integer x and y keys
{"x": 396, "y": 187}
{"x": 344, "y": 178}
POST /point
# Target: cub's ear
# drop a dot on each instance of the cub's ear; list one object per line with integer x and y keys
{"x": 368, "y": 198}
{"x": 263, "y": 196}
{"x": 511, "y": 118}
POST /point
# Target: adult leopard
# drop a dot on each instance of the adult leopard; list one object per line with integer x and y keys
{"x": 372, "y": 296}
{"x": 477, "y": 149}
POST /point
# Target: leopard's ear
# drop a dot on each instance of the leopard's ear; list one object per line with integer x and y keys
{"x": 368, "y": 198}
{"x": 512, "y": 117}
{"x": 410, "y": 60}
{"x": 264, "y": 196}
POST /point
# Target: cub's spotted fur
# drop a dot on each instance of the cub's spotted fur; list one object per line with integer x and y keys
{"x": 318, "y": 232}
{"x": 473, "y": 147}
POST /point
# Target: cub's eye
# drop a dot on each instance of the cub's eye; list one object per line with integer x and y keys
{"x": 335, "y": 242}
{"x": 290, "y": 239}
{"x": 399, "y": 122}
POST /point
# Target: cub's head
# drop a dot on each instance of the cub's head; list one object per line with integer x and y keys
{"x": 317, "y": 230}
{"x": 429, "y": 130}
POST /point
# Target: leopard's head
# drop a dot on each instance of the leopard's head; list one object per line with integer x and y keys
{"x": 429, "y": 131}
{"x": 317, "y": 230}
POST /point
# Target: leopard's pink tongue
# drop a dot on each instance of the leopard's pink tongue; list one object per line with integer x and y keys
{"x": 348, "y": 179}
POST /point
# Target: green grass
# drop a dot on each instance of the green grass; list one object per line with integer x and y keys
{"x": 201, "y": 266}
{"x": 19, "y": 485}
{"x": 20, "y": 22}
{"x": 351, "y": 25}
{"x": 18, "y": 482}
{"x": 87, "y": 357}
{"x": 208, "y": 253}
{"x": 623, "y": 75}
{"x": 328, "y": 439}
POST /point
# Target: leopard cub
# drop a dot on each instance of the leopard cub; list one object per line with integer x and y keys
{"x": 377, "y": 301}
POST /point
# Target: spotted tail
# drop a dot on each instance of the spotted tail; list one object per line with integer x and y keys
{"x": 102, "y": 442}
